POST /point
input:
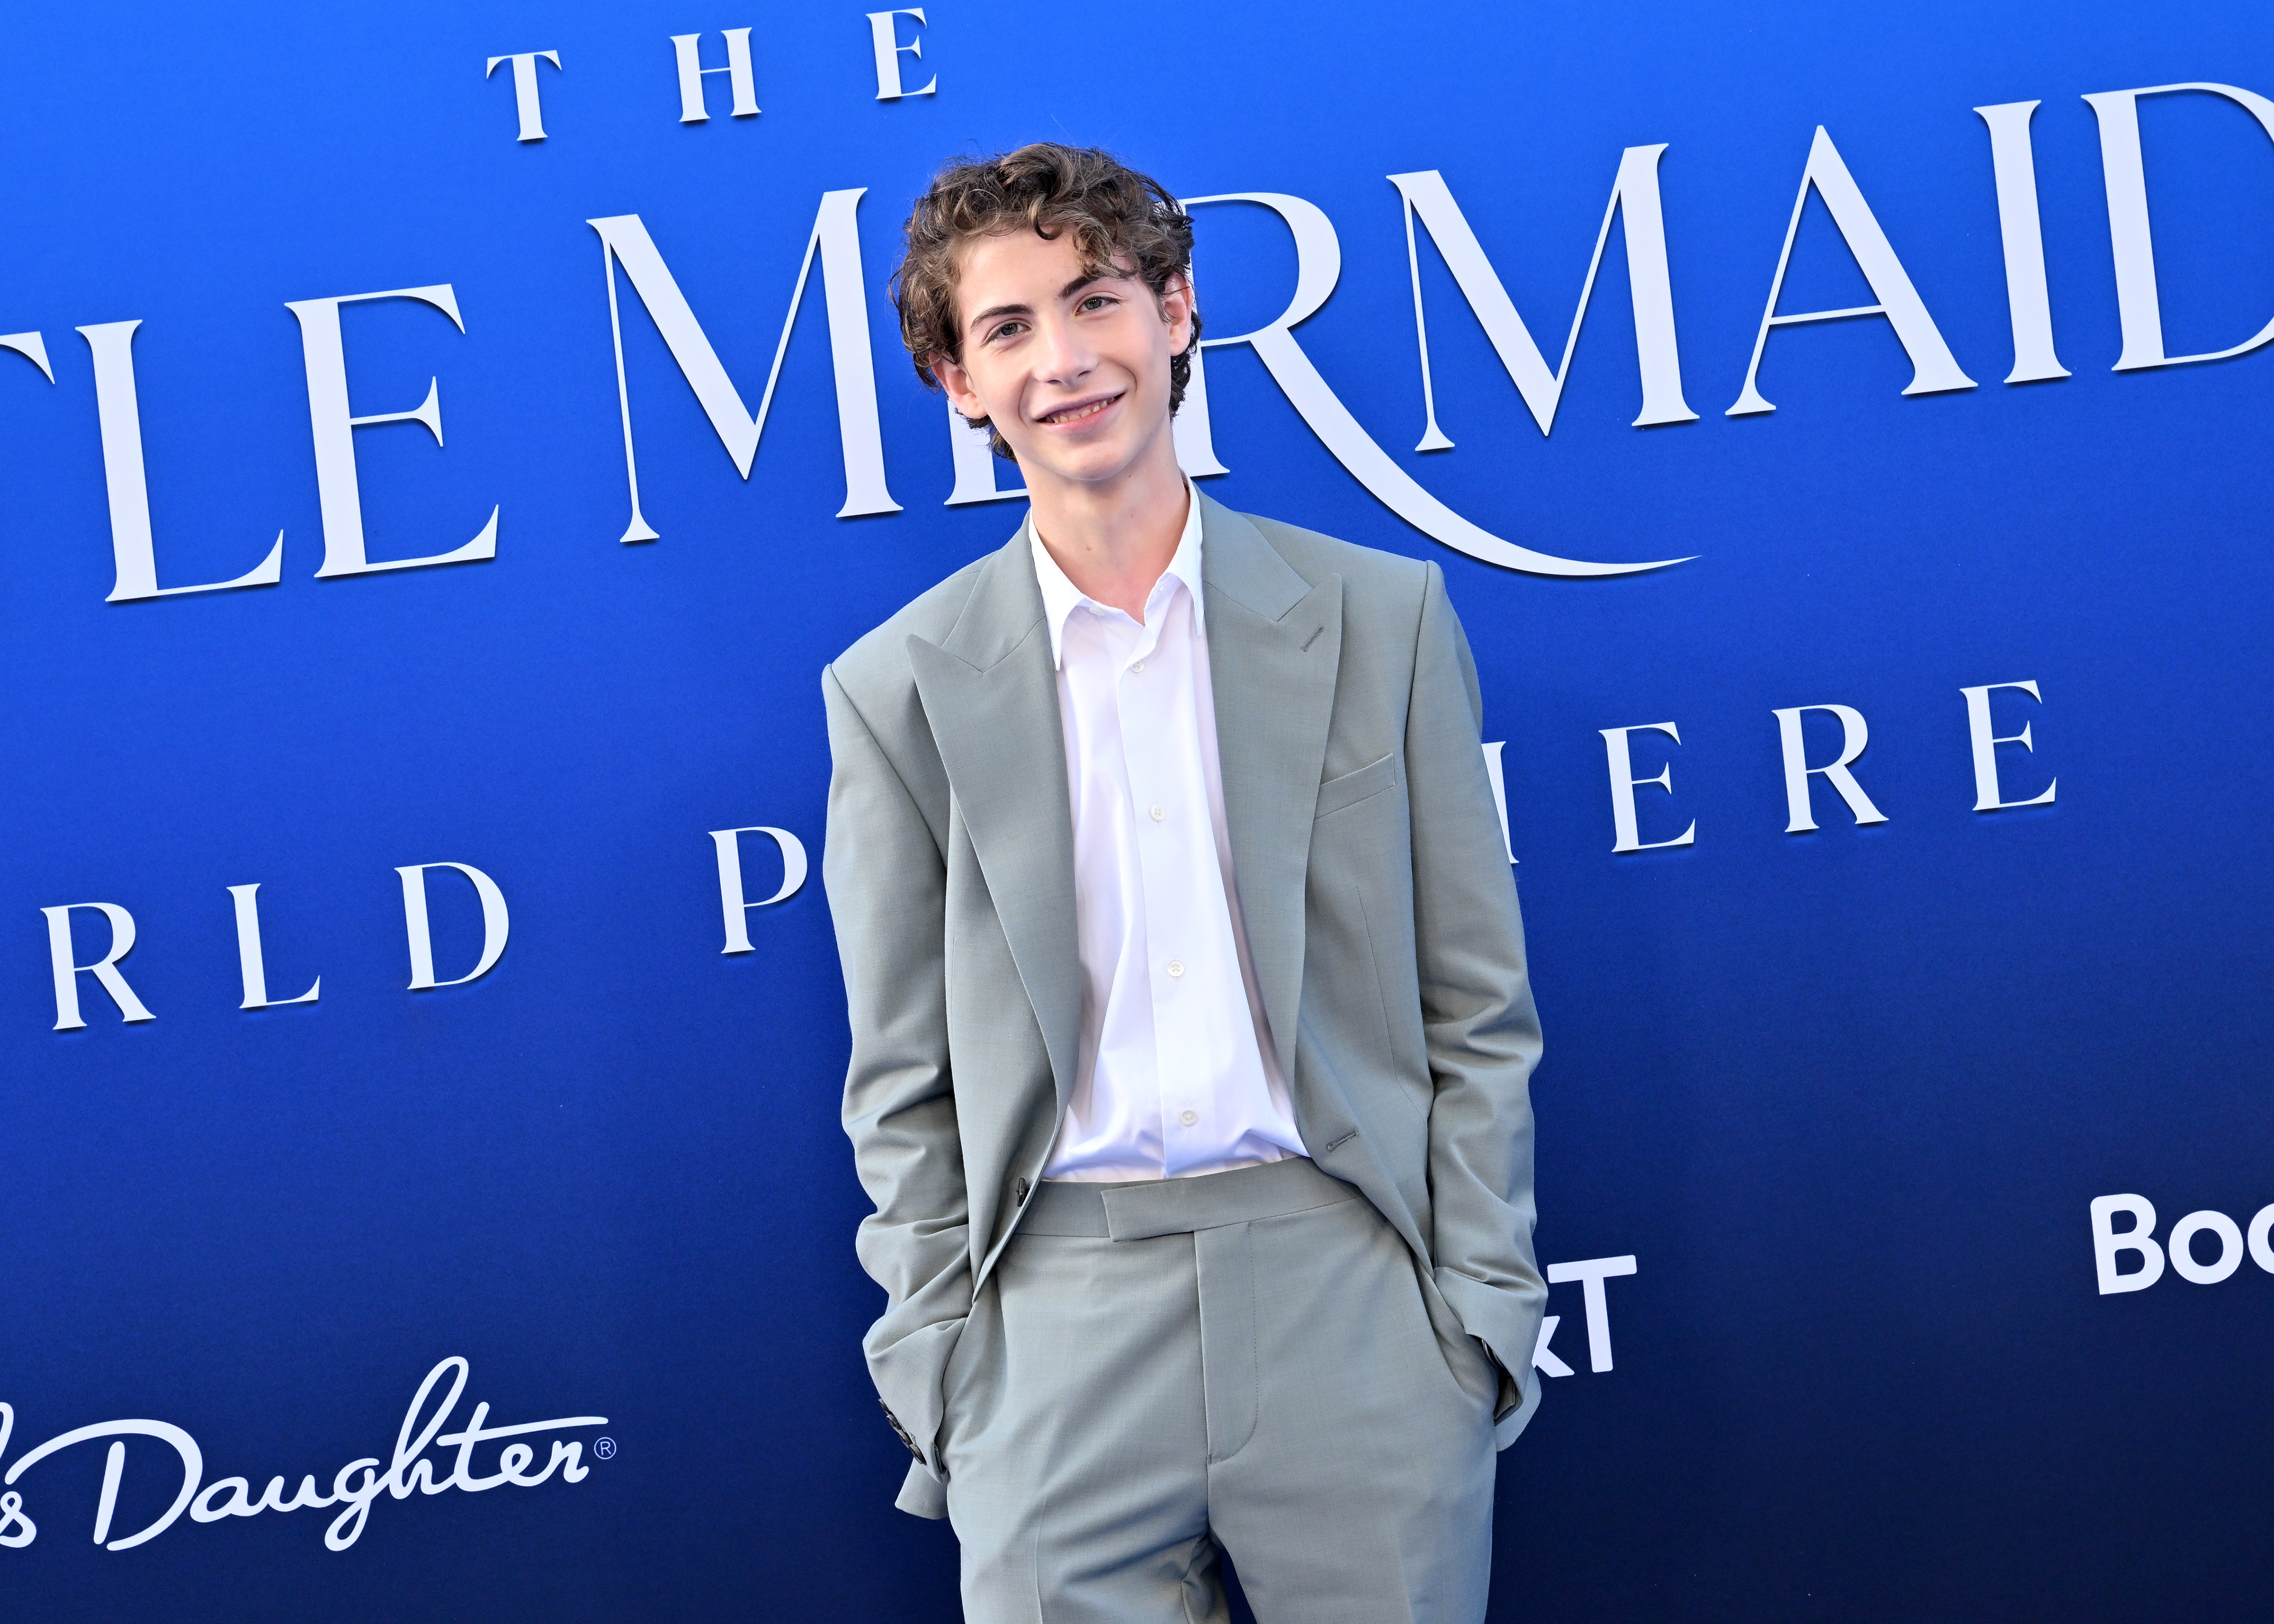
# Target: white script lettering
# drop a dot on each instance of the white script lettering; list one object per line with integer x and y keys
{"x": 355, "y": 1486}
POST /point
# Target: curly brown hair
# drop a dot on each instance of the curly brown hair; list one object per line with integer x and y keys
{"x": 1116, "y": 215}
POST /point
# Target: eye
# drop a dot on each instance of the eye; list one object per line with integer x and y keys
{"x": 1008, "y": 329}
{"x": 1097, "y": 301}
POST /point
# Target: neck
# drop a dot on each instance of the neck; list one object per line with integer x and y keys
{"x": 1114, "y": 539}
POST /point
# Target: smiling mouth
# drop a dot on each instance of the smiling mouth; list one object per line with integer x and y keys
{"x": 1080, "y": 413}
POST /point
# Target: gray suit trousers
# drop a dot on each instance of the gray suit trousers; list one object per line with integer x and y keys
{"x": 1248, "y": 1360}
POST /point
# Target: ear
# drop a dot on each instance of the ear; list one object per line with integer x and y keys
{"x": 956, "y": 384}
{"x": 1177, "y": 309}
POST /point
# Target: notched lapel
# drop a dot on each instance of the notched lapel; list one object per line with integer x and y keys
{"x": 1275, "y": 649}
{"x": 992, "y": 697}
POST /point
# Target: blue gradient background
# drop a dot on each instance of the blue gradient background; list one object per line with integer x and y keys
{"x": 1845, "y": 1095}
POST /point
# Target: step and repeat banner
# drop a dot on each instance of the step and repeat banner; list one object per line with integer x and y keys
{"x": 441, "y": 446}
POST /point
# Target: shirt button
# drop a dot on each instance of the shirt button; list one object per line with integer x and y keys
{"x": 1188, "y": 1117}
{"x": 1176, "y": 967}
{"x": 1158, "y": 813}
{"x": 1138, "y": 667}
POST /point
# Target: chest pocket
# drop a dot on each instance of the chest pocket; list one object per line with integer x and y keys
{"x": 1352, "y": 787}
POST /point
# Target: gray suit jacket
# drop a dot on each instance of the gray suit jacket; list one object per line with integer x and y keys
{"x": 1381, "y": 916}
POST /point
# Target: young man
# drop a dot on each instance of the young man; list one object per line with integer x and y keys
{"x": 1191, "y": 1031}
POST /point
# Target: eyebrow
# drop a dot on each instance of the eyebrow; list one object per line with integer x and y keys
{"x": 1067, "y": 292}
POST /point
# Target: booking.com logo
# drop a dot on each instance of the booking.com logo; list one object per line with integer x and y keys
{"x": 2109, "y": 1244}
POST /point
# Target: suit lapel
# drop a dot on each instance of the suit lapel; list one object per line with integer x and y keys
{"x": 1275, "y": 646}
{"x": 991, "y": 696}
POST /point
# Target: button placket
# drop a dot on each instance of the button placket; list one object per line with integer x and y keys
{"x": 1162, "y": 781}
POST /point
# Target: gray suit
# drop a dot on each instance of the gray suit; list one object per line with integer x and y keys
{"x": 1380, "y": 913}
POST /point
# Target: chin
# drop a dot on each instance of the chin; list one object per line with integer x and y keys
{"x": 1090, "y": 464}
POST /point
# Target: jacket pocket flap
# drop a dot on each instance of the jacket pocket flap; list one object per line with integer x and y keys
{"x": 1352, "y": 787}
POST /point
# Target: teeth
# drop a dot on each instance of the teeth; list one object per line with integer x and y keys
{"x": 1077, "y": 416}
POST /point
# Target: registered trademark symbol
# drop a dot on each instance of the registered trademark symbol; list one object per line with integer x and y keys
{"x": 604, "y": 1448}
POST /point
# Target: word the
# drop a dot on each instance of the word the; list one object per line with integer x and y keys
{"x": 741, "y": 77}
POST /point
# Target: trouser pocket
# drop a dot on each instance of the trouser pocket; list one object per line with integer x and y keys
{"x": 1472, "y": 1368}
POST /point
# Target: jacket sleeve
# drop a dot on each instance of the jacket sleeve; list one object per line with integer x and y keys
{"x": 1482, "y": 1031}
{"x": 886, "y": 881}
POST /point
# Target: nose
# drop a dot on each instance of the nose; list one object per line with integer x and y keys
{"x": 1065, "y": 357}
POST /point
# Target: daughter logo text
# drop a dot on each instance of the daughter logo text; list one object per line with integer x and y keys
{"x": 354, "y": 1487}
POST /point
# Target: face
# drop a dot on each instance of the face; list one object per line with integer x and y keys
{"x": 1072, "y": 369}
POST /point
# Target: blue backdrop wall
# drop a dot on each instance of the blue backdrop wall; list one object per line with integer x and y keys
{"x": 1846, "y": 1098}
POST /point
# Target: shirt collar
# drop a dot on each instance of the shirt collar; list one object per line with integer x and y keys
{"x": 1061, "y": 597}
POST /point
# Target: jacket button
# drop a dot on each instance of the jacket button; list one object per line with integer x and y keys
{"x": 1019, "y": 1193}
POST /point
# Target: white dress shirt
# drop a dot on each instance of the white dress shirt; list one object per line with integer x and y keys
{"x": 1177, "y": 1075}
